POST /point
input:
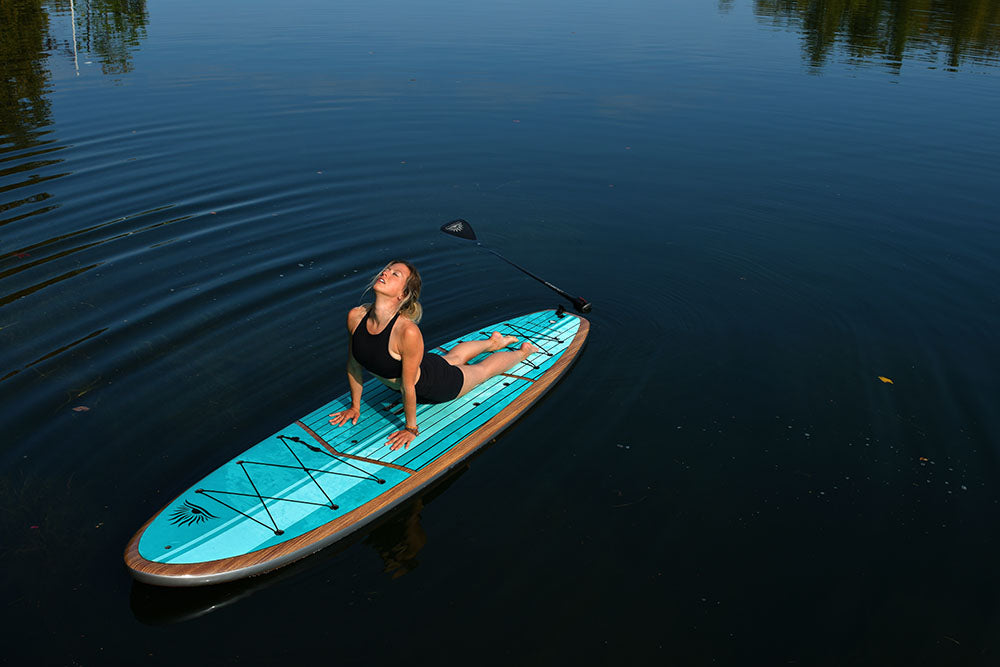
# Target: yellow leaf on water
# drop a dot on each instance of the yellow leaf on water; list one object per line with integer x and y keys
{"x": 885, "y": 379}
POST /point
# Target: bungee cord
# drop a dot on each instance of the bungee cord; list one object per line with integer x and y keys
{"x": 364, "y": 476}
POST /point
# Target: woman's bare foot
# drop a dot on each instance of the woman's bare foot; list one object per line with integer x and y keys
{"x": 498, "y": 342}
{"x": 527, "y": 349}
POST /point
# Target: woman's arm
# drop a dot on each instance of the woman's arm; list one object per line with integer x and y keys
{"x": 354, "y": 377}
{"x": 412, "y": 352}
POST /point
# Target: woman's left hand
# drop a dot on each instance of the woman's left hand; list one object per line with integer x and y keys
{"x": 401, "y": 439}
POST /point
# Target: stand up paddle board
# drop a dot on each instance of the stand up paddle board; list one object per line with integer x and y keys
{"x": 312, "y": 484}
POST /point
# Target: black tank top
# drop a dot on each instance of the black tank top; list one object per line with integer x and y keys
{"x": 372, "y": 351}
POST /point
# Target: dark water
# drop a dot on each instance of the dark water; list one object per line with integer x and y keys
{"x": 770, "y": 203}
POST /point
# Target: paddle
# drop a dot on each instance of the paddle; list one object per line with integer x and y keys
{"x": 463, "y": 230}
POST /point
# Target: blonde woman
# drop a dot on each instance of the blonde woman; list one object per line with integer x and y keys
{"x": 386, "y": 341}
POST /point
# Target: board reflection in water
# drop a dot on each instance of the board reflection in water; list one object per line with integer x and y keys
{"x": 397, "y": 539}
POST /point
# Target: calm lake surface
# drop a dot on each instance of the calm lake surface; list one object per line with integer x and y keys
{"x": 770, "y": 203}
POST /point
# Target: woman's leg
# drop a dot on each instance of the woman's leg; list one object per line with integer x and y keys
{"x": 470, "y": 349}
{"x": 495, "y": 364}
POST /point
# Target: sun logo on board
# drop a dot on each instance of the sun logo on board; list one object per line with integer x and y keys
{"x": 189, "y": 514}
{"x": 456, "y": 226}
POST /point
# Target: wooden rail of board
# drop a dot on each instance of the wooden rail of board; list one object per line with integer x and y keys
{"x": 316, "y": 539}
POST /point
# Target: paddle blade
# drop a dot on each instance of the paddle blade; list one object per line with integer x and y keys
{"x": 460, "y": 228}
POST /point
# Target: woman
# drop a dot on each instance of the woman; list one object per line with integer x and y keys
{"x": 386, "y": 341}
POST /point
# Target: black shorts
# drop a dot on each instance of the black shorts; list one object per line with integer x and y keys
{"x": 439, "y": 381}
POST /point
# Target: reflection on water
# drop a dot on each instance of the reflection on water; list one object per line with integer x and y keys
{"x": 24, "y": 80}
{"x": 156, "y": 605}
{"x": 400, "y": 539}
{"x": 397, "y": 539}
{"x": 399, "y": 543}
{"x": 107, "y": 30}
{"x": 946, "y": 33}
{"x": 110, "y": 30}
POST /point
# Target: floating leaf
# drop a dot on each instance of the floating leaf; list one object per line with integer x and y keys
{"x": 885, "y": 379}
{"x": 81, "y": 408}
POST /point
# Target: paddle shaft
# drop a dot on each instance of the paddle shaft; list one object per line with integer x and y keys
{"x": 462, "y": 229}
{"x": 581, "y": 305}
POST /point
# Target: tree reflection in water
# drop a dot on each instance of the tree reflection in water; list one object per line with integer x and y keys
{"x": 24, "y": 79}
{"x": 107, "y": 30}
{"x": 940, "y": 32}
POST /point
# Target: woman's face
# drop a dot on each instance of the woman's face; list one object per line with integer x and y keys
{"x": 392, "y": 281}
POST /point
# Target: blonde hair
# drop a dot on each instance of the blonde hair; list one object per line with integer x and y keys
{"x": 410, "y": 308}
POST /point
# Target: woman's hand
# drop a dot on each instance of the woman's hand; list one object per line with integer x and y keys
{"x": 401, "y": 439}
{"x": 349, "y": 415}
